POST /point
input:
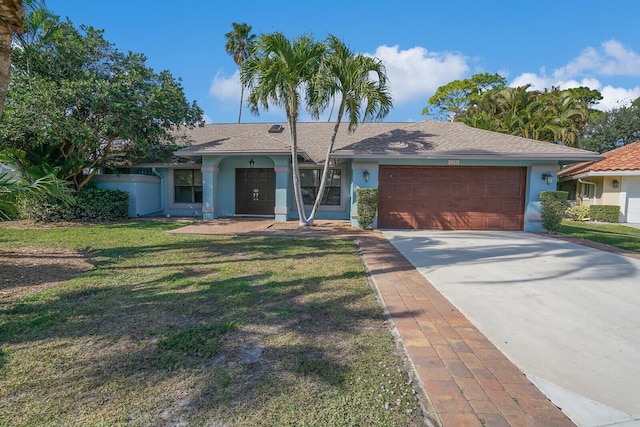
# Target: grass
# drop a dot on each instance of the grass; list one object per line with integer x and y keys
{"x": 616, "y": 235}
{"x": 199, "y": 330}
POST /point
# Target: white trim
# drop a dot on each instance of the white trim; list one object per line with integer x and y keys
{"x": 364, "y": 166}
{"x": 210, "y": 169}
{"x": 602, "y": 173}
{"x": 281, "y": 210}
{"x": 127, "y": 178}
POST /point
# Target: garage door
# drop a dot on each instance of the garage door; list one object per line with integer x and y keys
{"x": 452, "y": 198}
{"x": 633, "y": 201}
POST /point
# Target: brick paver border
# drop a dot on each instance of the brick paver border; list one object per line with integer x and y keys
{"x": 467, "y": 380}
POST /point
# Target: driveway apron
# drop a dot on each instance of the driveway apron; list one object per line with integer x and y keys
{"x": 564, "y": 314}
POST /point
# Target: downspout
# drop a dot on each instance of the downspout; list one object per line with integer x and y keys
{"x": 595, "y": 188}
{"x": 155, "y": 173}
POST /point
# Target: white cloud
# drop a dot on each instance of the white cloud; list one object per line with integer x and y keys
{"x": 415, "y": 73}
{"x": 612, "y": 59}
{"x": 615, "y": 97}
{"x": 207, "y": 119}
{"x": 225, "y": 88}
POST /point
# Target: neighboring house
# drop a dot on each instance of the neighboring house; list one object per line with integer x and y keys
{"x": 613, "y": 180}
{"x": 430, "y": 174}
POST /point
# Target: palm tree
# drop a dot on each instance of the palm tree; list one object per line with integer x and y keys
{"x": 13, "y": 188}
{"x": 239, "y": 45}
{"x": 280, "y": 72}
{"x": 360, "y": 82}
{"x": 11, "y": 22}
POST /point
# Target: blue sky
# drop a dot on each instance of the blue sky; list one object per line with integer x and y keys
{"x": 424, "y": 44}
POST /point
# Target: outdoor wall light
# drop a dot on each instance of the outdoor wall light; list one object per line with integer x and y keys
{"x": 615, "y": 183}
{"x": 547, "y": 177}
{"x": 252, "y": 163}
{"x": 366, "y": 175}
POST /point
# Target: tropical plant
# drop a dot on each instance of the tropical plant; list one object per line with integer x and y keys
{"x": 552, "y": 115}
{"x": 361, "y": 84}
{"x": 282, "y": 72}
{"x": 74, "y": 100}
{"x": 239, "y": 45}
{"x": 13, "y": 189}
{"x": 452, "y": 99}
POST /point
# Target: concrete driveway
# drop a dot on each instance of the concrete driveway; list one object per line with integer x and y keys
{"x": 568, "y": 316}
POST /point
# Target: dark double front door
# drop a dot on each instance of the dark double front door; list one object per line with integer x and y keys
{"x": 255, "y": 191}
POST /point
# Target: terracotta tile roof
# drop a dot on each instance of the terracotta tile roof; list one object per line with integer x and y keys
{"x": 425, "y": 139}
{"x": 625, "y": 158}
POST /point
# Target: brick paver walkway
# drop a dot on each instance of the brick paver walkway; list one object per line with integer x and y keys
{"x": 467, "y": 379}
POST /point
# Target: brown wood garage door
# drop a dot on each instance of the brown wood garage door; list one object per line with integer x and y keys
{"x": 452, "y": 197}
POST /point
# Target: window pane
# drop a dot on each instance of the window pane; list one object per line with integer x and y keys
{"x": 334, "y": 178}
{"x": 308, "y": 195}
{"x": 332, "y": 197}
{"x": 183, "y": 177}
{"x": 197, "y": 176}
{"x": 183, "y": 194}
{"x": 197, "y": 190}
{"x": 309, "y": 177}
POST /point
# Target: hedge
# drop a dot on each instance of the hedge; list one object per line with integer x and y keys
{"x": 578, "y": 212}
{"x": 553, "y": 205}
{"x": 604, "y": 213}
{"x": 367, "y": 205}
{"x": 89, "y": 205}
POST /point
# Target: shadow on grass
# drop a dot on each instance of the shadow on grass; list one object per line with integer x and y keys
{"x": 147, "y": 326}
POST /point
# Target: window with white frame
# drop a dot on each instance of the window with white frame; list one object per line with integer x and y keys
{"x": 187, "y": 186}
{"x": 586, "y": 190}
{"x": 310, "y": 184}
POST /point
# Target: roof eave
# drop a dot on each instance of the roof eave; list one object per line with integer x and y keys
{"x": 573, "y": 157}
{"x": 591, "y": 174}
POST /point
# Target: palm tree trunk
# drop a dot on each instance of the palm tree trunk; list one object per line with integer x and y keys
{"x": 5, "y": 58}
{"x": 241, "y": 97}
{"x": 297, "y": 193}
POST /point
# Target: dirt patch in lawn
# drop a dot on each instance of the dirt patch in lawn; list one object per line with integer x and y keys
{"x": 27, "y": 270}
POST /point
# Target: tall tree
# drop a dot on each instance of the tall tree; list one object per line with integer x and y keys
{"x": 240, "y": 43}
{"x": 282, "y": 73}
{"x": 452, "y": 99}
{"x": 360, "y": 83}
{"x": 73, "y": 99}
{"x": 606, "y": 130}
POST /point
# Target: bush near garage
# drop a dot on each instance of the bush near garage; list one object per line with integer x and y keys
{"x": 88, "y": 205}
{"x": 604, "y": 213}
{"x": 367, "y": 205}
{"x": 553, "y": 205}
{"x": 578, "y": 212}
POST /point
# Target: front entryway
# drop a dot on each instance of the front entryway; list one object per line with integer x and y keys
{"x": 255, "y": 191}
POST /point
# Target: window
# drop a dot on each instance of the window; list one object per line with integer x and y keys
{"x": 187, "y": 186}
{"x": 310, "y": 183}
{"x": 586, "y": 191}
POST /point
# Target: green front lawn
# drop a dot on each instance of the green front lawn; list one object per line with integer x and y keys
{"x": 162, "y": 329}
{"x": 617, "y": 235}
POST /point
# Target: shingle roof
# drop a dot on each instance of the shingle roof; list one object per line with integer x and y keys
{"x": 425, "y": 139}
{"x": 626, "y": 158}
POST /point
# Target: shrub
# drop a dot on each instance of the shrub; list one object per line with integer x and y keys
{"x": 553, "y": 205}
{"x": 90, "y": 205}
{"x": 605, "y": 213}
{"x": 578, "y": 212}
{"x": 102, "y": 205}
{"x": 367, "y": 205}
